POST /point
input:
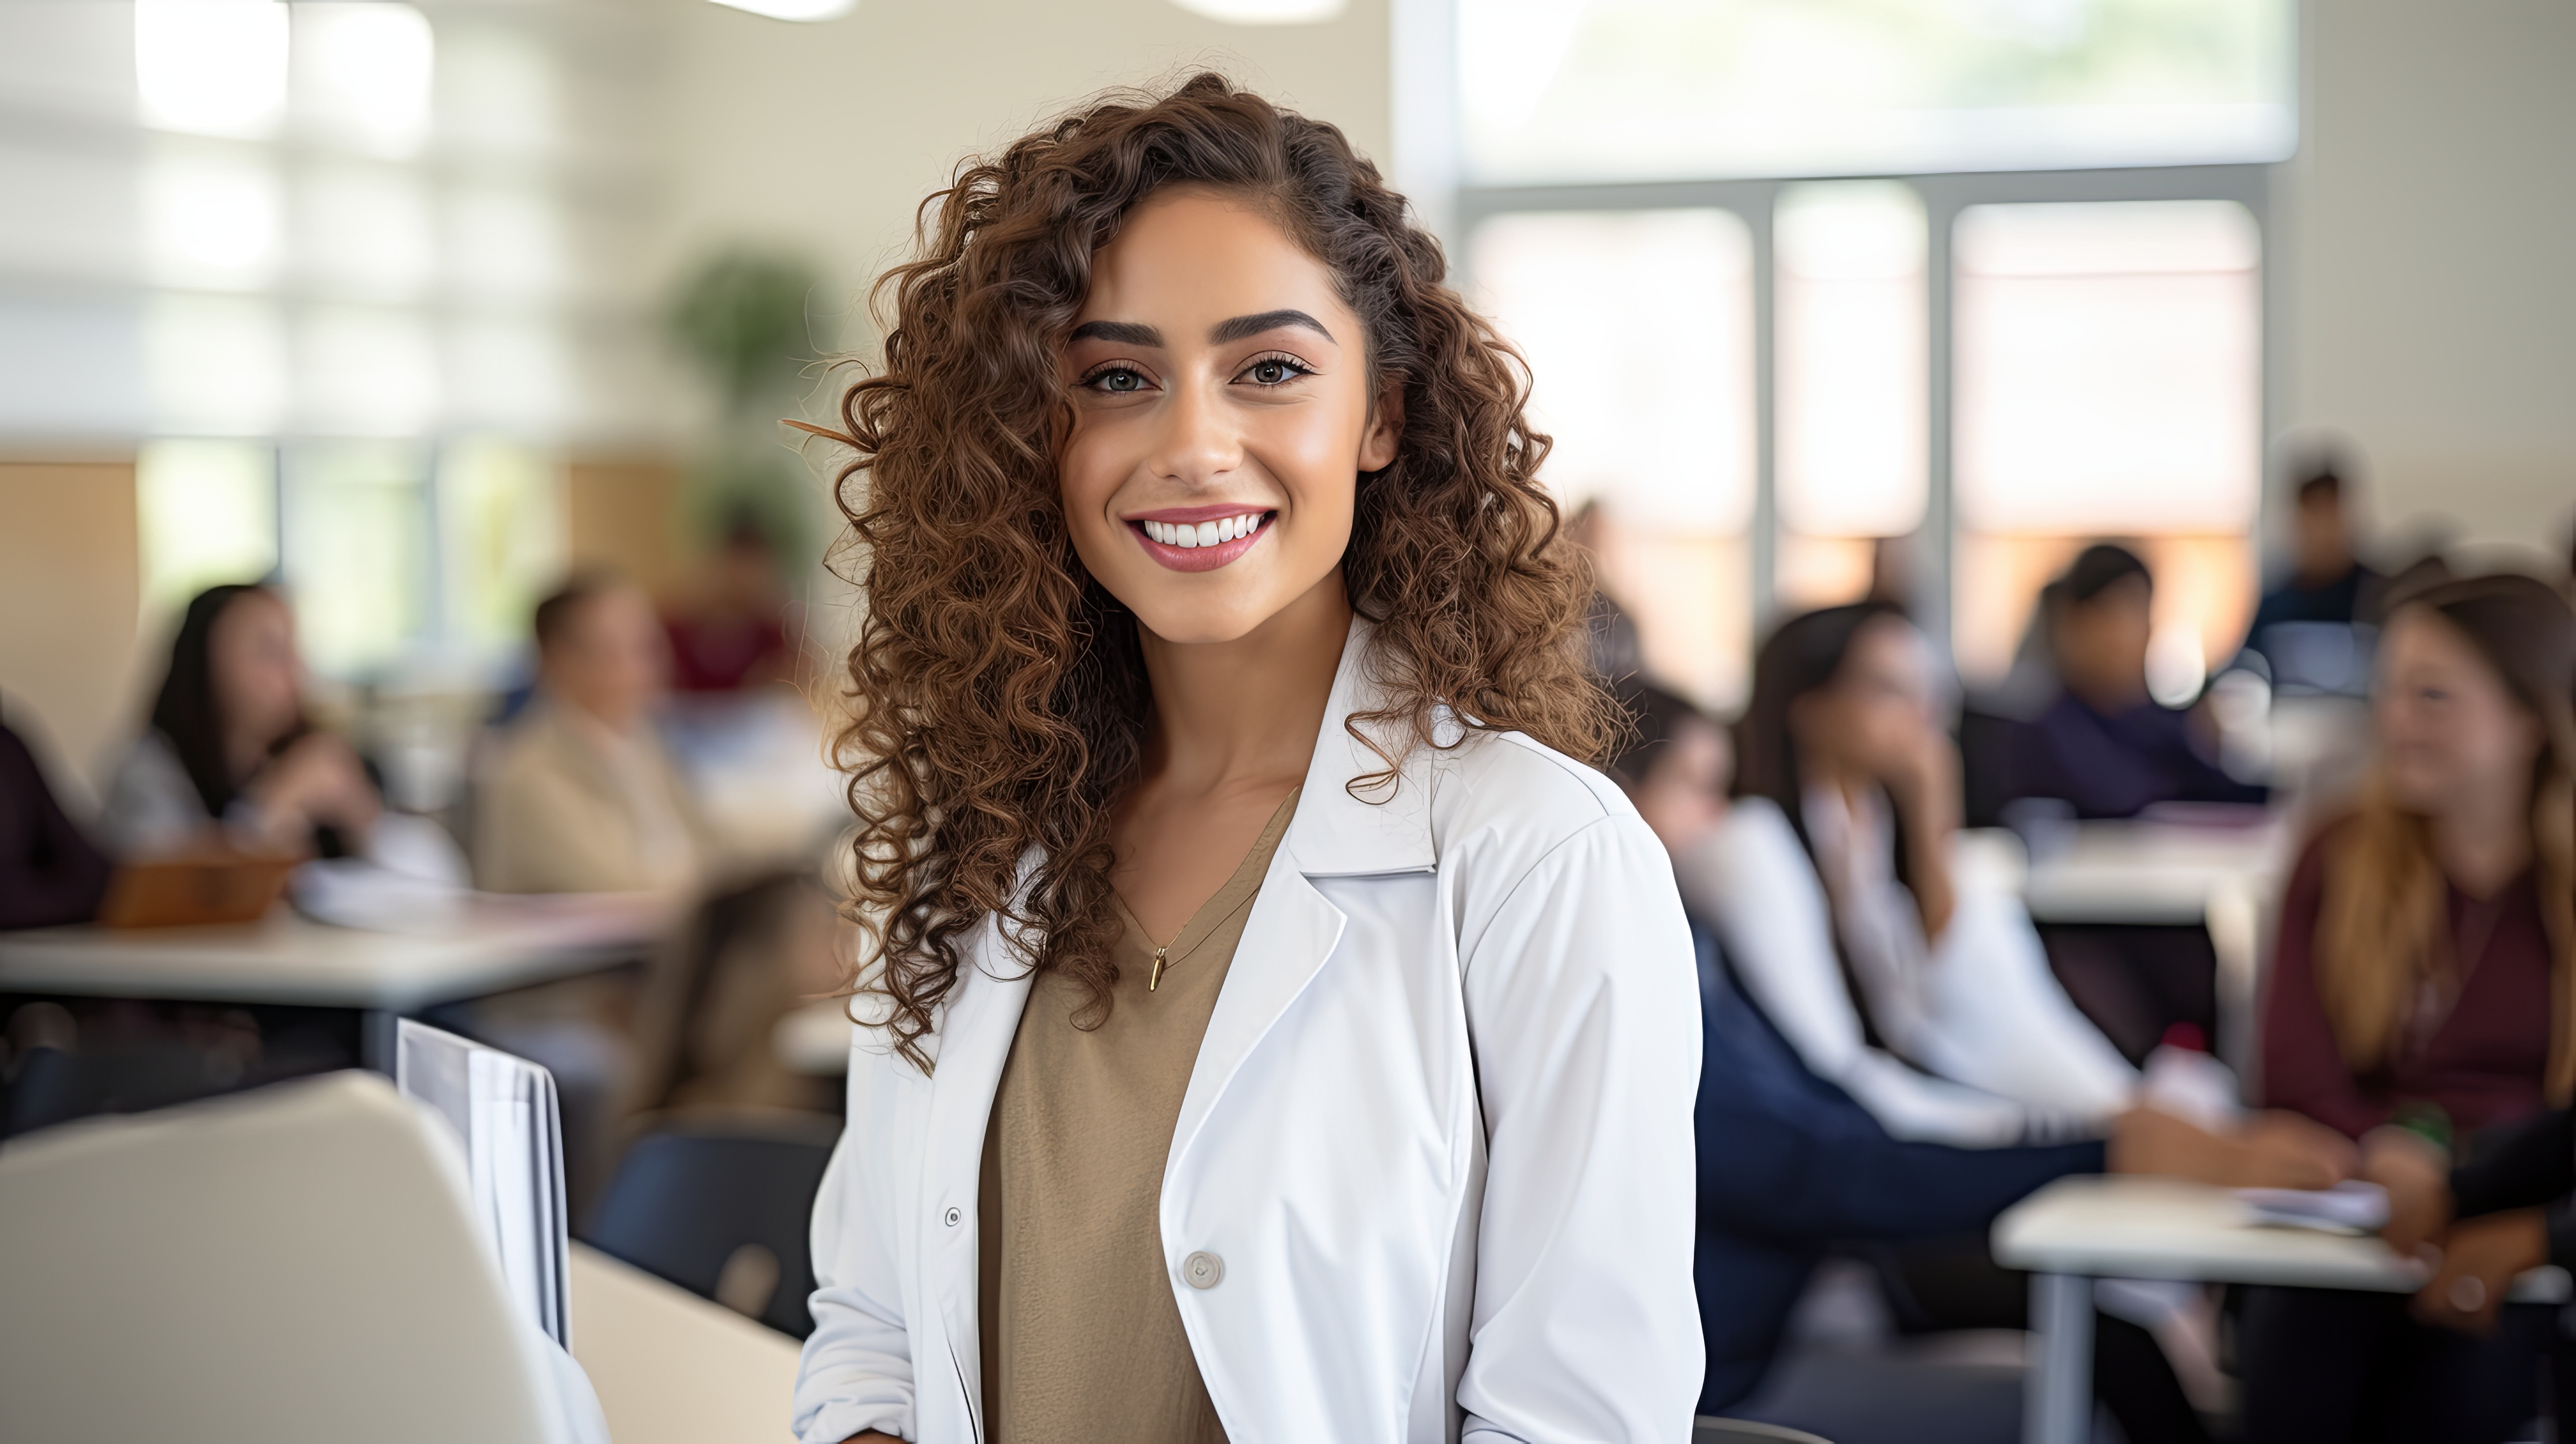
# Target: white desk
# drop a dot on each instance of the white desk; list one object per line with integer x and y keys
{"x": 672, "y": 1368}
{"x": 2079, "y": 1229}
{"x": 2149, "y": 872}
{"x": 491, "y": 944}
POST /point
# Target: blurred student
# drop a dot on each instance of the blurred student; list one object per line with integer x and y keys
{"x": 578, "y": 793}
{"x": 2424, "y": 990}
{"x": 1838, "y": 860}
{"x": 732, "y": 633}
{"x": 1789, "y": 1165}
{"x": 50, "y": 872}
{"x": 2105, "y": 746}
{"x": 2327, "y": 582}
{"x": 230, "y": 759}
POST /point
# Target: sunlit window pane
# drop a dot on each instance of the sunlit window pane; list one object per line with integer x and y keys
{"x": 2108, "y": 367}
{"x": 216, "y": 67}
{"x": 362, "y": 73}
{"x": 358, "y": 524}
{"x": 1852, "y": 358}
{"x": 206, "y": 512}
{"x": 501, "y": 538}
{"x": 1552, "y": 90}
{"x": 1638, "y": 327}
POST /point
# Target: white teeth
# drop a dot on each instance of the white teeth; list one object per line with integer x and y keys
{"x": 1206, "y": 533}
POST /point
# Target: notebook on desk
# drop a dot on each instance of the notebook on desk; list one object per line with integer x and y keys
{"x": 504, "y": 1112}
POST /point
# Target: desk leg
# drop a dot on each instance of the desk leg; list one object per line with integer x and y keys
{"x": 2057, "y": 1398}
{"x": 376, "y": 1038}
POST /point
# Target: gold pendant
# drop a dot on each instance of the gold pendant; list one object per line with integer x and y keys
{"x": 1156, "y": 980}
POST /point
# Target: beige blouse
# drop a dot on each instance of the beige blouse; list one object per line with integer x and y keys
{"x": 1082, "y": 1340}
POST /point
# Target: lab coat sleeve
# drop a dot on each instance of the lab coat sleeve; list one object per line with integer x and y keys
{"x": 1583, "y": 1003}
{"x": 856, "y": 1373}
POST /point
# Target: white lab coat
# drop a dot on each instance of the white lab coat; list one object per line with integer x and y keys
{"x": 1436, "y": 1149}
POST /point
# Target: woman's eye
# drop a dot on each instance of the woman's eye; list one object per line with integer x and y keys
{"x": 1273, "y": 371}
{"x": 1118, "y": 381}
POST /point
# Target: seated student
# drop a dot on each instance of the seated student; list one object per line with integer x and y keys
{"x": 2327, "y": 583}
{"x": 49, "y": 871}
{"x": 1789, "y": 1164}
{"x": 2102, "y": 744}
{"x": 1835, "y": 875}
{"x": 230, "y": 759}
{"x": 2424, "y": 989}
{"x": 578, "y": 793}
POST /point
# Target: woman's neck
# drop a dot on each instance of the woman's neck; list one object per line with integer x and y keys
{"x": 2482, "y": 839}
{"x": 1248, "y": 710}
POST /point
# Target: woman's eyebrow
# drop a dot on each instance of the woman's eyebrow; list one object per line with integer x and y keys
{"x": 1242, "y": 326}
{"x": 1125, "y": 333}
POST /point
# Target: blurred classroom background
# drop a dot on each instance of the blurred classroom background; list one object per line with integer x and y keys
{"x": 418, "y": 314}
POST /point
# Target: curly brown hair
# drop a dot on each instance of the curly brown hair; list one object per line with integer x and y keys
{"x": 999, "y": 698}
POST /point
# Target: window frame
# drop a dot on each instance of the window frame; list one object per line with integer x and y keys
{"x": 1944, "y": 195}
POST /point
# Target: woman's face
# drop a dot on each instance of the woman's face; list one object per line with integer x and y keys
{"x": 1221, "y": 417}
{"x": 2449, "y": 728}
{"x": 1876, "y": 712}
{"x": 259, "y": 685}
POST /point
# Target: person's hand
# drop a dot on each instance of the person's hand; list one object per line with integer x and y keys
{"x": 2281, "y": 1149}
{"x": 1923, "y": 777}
{"x": 316, "y": 781}
{"x": 2272, "y": 1150}
{"x": 2418, "y": 1179}
{"x": 2480, "y": 1257}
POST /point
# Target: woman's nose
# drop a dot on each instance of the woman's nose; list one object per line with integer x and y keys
{"x": 1199, "y": 442}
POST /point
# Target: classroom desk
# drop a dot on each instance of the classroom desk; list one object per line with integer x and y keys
{"x": 2079, "y": 1229}
{"x": 2169, "y": 874}
{"x": 491, "y": 944}
{"x": 2149, "y": 872}
{"x": 672, "y": 1368}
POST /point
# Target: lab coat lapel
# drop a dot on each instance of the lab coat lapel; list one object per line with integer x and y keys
{"x": 974, "y": 1044}
{"x": 1294, "y": 928}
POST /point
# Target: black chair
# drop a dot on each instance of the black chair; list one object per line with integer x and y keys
{"x": 1705, "y": 1430}
{"x": 721, "y": 1207}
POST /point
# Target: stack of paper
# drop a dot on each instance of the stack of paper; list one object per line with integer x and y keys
{"x": 503, "y": 1110}
{"x": 2351, "y": 1206}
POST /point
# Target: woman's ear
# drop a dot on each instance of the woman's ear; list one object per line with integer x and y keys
{"x": 1385, "y": 429}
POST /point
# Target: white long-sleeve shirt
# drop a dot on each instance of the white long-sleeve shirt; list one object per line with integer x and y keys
{"x": 1986, "y": 1047}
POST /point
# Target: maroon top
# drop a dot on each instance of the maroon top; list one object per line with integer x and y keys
{"x": 2484, "y": 1065}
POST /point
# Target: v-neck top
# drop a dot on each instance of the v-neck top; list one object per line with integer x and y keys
{"x": 1082, "y": 1339}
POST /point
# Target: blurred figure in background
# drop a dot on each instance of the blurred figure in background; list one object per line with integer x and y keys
{"x": 1840, "y": 858}
{"x": 230, "y": 760}
{"x": 49, "y": 870}
{"x": 2104, "y": 746}
{"x": 2327, "y": 582}
{"x": 2424, "y": 989}
{"x": 1790, "y": 1165}
{"x": 733, "y": 630}
{"x": 578, "y": 794}
{"x": 1616, "y": 654}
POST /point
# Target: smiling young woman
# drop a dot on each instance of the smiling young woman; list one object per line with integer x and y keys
{"x": 1269, "y": 1028}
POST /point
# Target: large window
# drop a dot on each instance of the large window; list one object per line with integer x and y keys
{"x": 2005, "y": 297}
{"x": 1638, "y": 327}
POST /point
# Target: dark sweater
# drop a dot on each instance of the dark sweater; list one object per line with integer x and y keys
{"x": 49, "y": 872}
{"x": 2483, "y": 1066}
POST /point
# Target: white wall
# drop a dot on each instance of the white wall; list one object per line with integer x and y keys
{"x": 828, "y": 136}
{"x": 2431, "y": 237}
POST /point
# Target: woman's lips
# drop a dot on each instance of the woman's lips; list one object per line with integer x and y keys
{"x": 1203, "y": 558}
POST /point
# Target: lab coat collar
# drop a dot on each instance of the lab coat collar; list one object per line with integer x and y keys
{"x": 1385, "y": 828}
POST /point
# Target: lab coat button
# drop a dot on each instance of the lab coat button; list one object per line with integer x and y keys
{"x": 956, "y": 1216}
{"x": 1203, "y": 1270}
